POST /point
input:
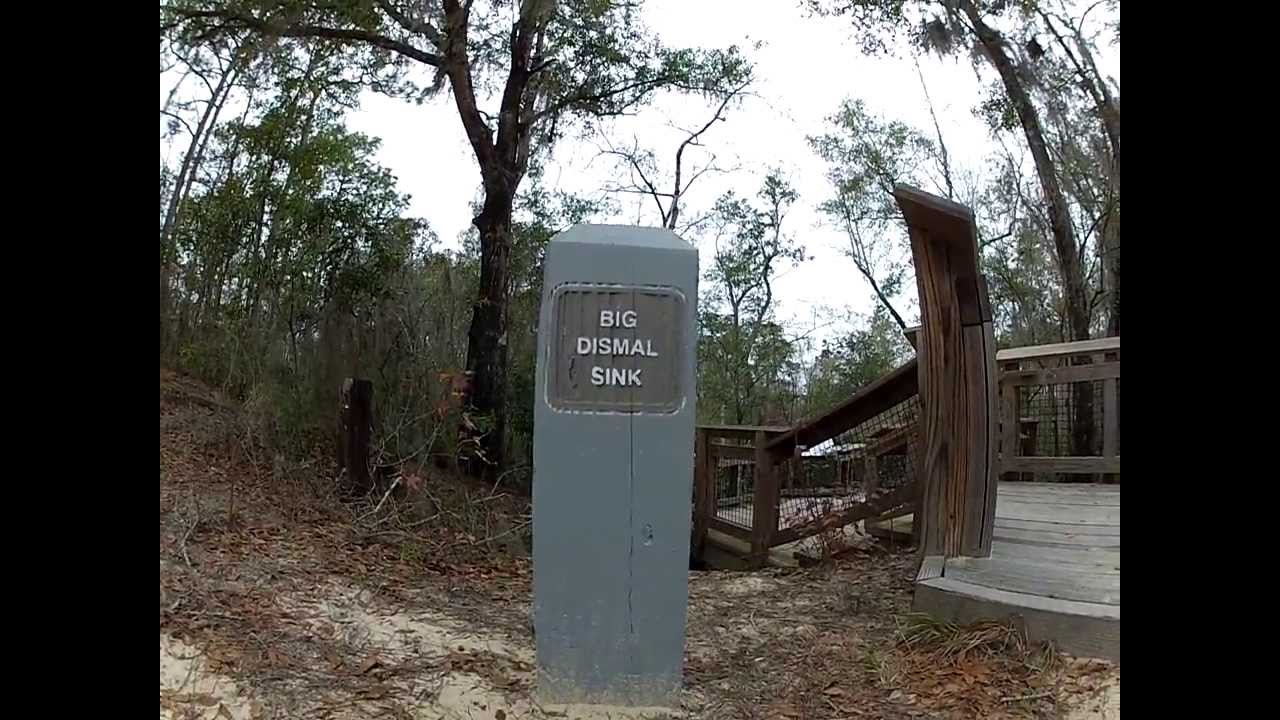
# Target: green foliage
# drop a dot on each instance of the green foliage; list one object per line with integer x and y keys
{"x": 875, "y": 22}
{"x": 545, "y": 62}
{"x": 866, "y": 156}
{"x": 995, "y": 109}
{"x": 855, "y": 360}
{"x": 744, "y": 356}
{"x": 603, "y": 61}
{"x": 298, "y": 267}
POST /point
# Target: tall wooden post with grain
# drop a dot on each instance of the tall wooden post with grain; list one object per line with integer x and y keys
{"x": 956, "y": 352}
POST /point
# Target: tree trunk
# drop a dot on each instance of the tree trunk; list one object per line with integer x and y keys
{"x": 1108, "y": 109}
{"x": 1014, "y": 78}
{"x": 184, "y": 181}
{"x": 502, "y": 164}
{"x": 487, "y": 336}
{"x": 1113, "y": 309}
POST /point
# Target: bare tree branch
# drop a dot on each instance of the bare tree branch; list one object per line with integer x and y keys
{"x": 420, "y": 27}
{"x": 179, "y": 119}
{"x": 677, "y": 190}
{"x": 232, "y": 20}
{"x": 861, "y": 260}
{"x": 943, "y": 157}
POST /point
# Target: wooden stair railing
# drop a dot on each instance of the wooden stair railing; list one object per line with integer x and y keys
{"x": 953, "y": 384}
{"x": 769, "y": 450}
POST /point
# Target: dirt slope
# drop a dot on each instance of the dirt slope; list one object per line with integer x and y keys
{"x": 273, "y": 606}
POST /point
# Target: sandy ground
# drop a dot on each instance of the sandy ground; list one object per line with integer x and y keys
{"x": 188, "y": 689}
{"x": 1103, "y": 705}
{"x": 277, "y": 610}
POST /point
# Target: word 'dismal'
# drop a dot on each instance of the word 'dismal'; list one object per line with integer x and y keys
{"x": 615, "y": 346}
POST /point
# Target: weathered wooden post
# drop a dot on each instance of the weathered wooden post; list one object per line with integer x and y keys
{"x": 956, "y": 351}
{"x": 704, "y": 499}
{"x": 613, "y": 465}
{"x": 356, "y": 413}
{"x": 764, "y": 500}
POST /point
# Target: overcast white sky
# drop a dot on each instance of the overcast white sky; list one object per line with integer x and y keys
{"x": 806, "y": 68}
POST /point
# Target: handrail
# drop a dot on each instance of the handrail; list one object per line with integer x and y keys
{"x": 865, "y": 404}
{"x": 1078, "y": 347}
{"x": 726, "y": 429}
{"x": 768, "y": 449}
{"x": 1019, "y": 434}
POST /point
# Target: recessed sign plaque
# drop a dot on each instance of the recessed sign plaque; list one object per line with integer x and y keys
{"x": 617, "y": 349}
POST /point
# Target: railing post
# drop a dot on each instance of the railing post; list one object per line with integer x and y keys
{"x": 957, "y": 377}
{"x": 1110, "y": 421}
{"x": 703, "y": 490}
{"x": 1010, "y": 421}
{"x": 764, "y": 503}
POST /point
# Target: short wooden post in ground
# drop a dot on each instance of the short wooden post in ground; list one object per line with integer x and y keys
{"x": 356, "y": 412}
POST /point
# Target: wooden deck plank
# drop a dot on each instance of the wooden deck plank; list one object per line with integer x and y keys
{"x": 1074, "y": 487}
{"x": 1105, "y": 577}
{"x": 1064, "y": 504}
{"x": 898, "y": 529}
{"x": 1063, "y": 497}
{"x": 1060, "y": 588}
{"x": 1067, "y": 582}
{"x": 1056, "y": 498}
{"x": 1055, "y": 562}
{"x": 931, "y": 567}
{"x": 740, "y": 548}
{"x": 1052, "y": 513}
{"x": 1059, "y": 490}
{"x": 1087, "y": 555}
{"x": 1069, "y": 465}
{"x": 1100, "y": 574}
{"x": 1079, "y": 347}
{"x": 1066, "y": 528}
{"x": 1032, "y": 537}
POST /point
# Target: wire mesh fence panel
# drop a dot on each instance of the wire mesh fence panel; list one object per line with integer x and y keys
{"x": 1061, "y": 419}
{"x": 734, "y": 486}
{"x": 1067, "y": 406}
{"x": 877, "y": 455}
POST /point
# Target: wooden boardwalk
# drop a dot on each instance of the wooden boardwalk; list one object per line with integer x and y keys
{"x": 1055, "y": 561}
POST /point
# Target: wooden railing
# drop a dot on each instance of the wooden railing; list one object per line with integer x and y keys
{"x": 1060, "y": 409}
{"x": 745, "y": 501}
{"x": 757, "y": 485}
{"x": 954, "y": 417}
